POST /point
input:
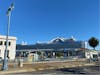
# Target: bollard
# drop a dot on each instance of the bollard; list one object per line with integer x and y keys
{"x": 15, "y": 63}
{"x": 20, "y": 63}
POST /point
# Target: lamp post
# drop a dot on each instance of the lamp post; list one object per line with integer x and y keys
{"x": 5, "y": 64}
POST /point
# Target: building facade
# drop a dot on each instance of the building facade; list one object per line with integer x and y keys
{"x": 56, "y": 48}
{"x": 11, "y": 51}
{"x": 90, "y": 54}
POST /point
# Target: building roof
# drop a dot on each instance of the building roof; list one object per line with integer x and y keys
{"x": 9, "y": 37}
{"x": 57, "y": 43}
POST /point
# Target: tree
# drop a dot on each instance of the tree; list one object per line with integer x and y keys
{"x": 93, "y": 42}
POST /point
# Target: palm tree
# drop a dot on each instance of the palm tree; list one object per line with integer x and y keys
{"x": 93, "y": 42}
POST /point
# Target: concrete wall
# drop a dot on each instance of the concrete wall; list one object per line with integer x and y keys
{"x": 11, "y": 47}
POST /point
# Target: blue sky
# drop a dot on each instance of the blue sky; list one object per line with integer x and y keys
{"x": 43, "y": 20}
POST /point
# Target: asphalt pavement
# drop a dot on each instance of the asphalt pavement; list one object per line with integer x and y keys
{"x": 95, "y": 70}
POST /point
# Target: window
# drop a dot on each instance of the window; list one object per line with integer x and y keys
{"x": 95, "y": 56}
{"x": 5, "y": 43}
{"x": 9, "y": 43}
{"x": 1, "y": 42}
{"x": 99, "y": 54}
{"x": 8, "y": 54}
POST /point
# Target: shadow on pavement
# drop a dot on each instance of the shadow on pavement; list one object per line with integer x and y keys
{"x": 81, "y": 70}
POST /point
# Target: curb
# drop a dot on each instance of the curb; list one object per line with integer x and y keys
{"x": 26, "y": 70}
{"x": 19, "y": 71}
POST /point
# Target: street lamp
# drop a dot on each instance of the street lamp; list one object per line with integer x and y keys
{"x": 5, "y": 65}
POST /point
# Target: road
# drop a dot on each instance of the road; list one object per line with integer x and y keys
{"x": 78, "y": 70}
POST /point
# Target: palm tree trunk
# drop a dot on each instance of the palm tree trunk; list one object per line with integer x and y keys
{"x": 94, "y": 48}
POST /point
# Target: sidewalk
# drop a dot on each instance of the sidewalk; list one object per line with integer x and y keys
{"x": 35, "y": 66}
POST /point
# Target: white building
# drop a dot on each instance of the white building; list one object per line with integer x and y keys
{"x": 11, "y": 51}
{"x": 91, "y": 54}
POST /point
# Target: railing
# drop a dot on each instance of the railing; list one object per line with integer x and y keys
{"x": 27, "y": 59}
